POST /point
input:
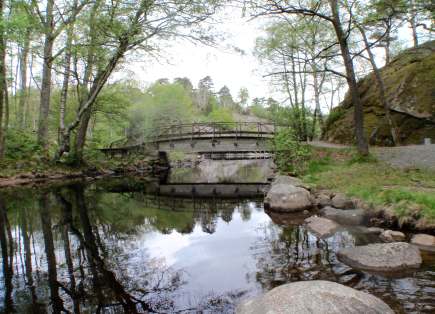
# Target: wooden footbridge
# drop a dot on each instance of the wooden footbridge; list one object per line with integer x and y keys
{"x": 214, "y": 140}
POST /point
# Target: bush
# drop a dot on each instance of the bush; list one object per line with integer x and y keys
{"x": 335, "y": 114}
{"x": 291, "y": 155}
{"x": 21, "y": 145}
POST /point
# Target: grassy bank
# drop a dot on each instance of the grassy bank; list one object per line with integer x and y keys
{"x": 407, "y": 194}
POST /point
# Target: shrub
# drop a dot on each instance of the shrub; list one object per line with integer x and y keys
{"x": 21, "y": 145}
{"x": 291, "y": 155}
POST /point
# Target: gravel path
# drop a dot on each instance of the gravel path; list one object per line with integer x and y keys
{"x": 412, "y": 156}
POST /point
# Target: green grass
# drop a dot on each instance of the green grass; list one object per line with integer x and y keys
{"x": 409, "y": 193}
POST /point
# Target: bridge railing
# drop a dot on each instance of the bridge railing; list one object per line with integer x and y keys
{"x": 212, "y": 129}
{"x": 201, "y": 129}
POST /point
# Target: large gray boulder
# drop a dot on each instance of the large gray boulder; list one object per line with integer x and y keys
{"x": 425, "y": 242}
{"x": 351, "y": 217}
{"x": 284, "y": 196}
{"x": 314, "y": 297}
{"x": 321, "y": 227}
{"x": 381, "y": 257}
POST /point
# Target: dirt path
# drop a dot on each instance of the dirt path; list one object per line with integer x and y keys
{"x": 412, "y": 156}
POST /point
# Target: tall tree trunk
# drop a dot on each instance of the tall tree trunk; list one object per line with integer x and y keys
{"x": 2, "y": 82}
{"x": 23, "y": 80}
{"x": 381, "y": 87}
{"x": 387, "y": 47}
{"x": 82, "y": 129}
{"x": 413, "y": 23}
{"x": 317, "y": 111}
{"x": 361, "y": 141}
{"x": 64, "y": 91}
{"x": 44, "y": 107}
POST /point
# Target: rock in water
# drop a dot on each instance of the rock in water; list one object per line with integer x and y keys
{"x": 409, "y": 81}
{"x": 321, "y": 227}
{"x": 425, "y": 242}
{"x": 381, "y": 257}
{"x": 285, "y": 197}
{"x": 392, "y": 236}
{"x": 352, "y": 217}
{"x": 314, "y": 297}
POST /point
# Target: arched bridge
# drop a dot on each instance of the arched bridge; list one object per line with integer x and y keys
{"x": 214, "y": 140}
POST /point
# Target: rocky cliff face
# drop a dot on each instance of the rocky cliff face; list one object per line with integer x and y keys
{"x": 410, "y": 86}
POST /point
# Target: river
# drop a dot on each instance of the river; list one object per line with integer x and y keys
{"x": 124, "y": 245}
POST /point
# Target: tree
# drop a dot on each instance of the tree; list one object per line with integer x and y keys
{"x": 243, "y": 97}
{"x": 330, "y": 12}
{"x": 52, "y": 28}
{"x": 225, "y": 97}
{"x": 203, "y": 94}
{"x": 123, "y": 28}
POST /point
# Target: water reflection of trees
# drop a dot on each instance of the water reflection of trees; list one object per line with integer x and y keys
{"x": 288, "y": 254}
{"x": 54, "y": 260}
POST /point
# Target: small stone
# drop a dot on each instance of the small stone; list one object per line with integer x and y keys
{"x": 351, "y": 217}
{"x": 341, "y": 201}
{"x": 375, "y": 230}
{"x": 323, "y": 200}
{"x": 314, "y": 297}
{"x": 321, "y": 227}
{"x": 425, "y": 242}
{"x": 392, "y": 236}
{"x": 382, "y": 257}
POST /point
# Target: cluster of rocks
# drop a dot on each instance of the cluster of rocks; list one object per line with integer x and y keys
{"x": 290, "y": 195}
{"x": 392, "y": 254}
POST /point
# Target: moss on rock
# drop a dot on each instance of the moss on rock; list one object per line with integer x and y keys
{"x": 410, "y": 87}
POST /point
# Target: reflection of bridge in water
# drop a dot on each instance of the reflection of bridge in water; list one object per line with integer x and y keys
{"x": 217, "y": 140}
{"x": 188, "y": 196}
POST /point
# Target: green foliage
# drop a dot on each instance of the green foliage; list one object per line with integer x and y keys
{"x": 221, "y": 114}
{"x": 159, "y": 106}
{"x": 335, "y": 115}
{"x": 21, "y": 145}
{"x": 291, "y": 155}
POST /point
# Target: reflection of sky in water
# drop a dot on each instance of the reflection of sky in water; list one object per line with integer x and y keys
{"x": 213, "y": 263}
{"x": 249, "y": 253}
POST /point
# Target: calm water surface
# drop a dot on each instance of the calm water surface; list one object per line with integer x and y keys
{"x": 115, "y": 247}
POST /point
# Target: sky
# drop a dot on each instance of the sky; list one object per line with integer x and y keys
{"x": 226, "y": 66}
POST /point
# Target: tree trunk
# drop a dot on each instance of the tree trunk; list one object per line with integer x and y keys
{"x": 2, "y": 82}
{"x": 44, "y": 106}
{"x": 317, "y": 110}
{"x": 80, "y": 139}
{"x": 23, "y": 80}
{"x": 413, "y": 23}
{"x": 66, "y": 76}
{"x": 361, "y": 141}
{"x": 381, "y": 87}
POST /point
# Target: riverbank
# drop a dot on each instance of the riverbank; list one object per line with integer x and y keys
{"x": 25, "y": 173}
{"x": 401, "y": 197}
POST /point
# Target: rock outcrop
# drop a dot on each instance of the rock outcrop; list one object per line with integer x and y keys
{"x": 314, "y": 297}
{"x": 288, "y": 195}
{"x": 410, "y": 87}
{"x": 382, "y": 257}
